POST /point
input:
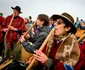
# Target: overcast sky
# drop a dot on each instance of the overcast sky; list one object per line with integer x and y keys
{"x": 34, "y": 7}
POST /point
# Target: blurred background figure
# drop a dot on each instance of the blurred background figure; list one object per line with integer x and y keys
{"x": 2, "y": 19}
{"x": 30, "y": 20}
{"x": 27, "y": 24}
{"x": 51, "y": 22}
{"x": 80, "y": 25}
{"x": 1, "y": 14}
{"x": 77, "y": 23}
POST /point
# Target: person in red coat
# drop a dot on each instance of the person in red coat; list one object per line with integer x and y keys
{"x": 82, "y": 47}
{"x": 2, "y": 19}
{"x": 15, "y": 29}
{"x": 62, "y": 51}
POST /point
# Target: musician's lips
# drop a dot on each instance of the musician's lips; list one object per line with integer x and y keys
{"x": 56, "y": 30}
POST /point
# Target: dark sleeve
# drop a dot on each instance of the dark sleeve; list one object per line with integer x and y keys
{"x": 32, "y": 39}
{"x": 36, "y": 45}
{"x": 20, "y": 31}
{"x": 51, "y": 65}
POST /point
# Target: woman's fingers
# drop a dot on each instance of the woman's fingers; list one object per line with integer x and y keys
{"x": 38, "y": 52}
{"x": 22, "y": 38}
{"x": 40, "y": 56}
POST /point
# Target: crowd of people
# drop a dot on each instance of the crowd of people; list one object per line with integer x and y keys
{"x": 61, "y": 52}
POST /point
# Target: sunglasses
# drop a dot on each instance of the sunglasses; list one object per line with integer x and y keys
{"x": 59, "y": 21}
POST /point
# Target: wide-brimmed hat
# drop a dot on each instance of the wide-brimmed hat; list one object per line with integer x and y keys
{"x": 17, "y": 8}
{"x": 67, "y": 18}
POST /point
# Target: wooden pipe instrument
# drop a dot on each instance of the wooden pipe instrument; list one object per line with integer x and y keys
{"x": 41, "y": 48}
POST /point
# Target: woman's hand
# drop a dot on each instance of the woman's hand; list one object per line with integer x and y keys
{"x": 29, "y": 61}
{"x": 27, "y": 35}
{"x": 40, "y": 56}
{"x": 22, "y": 39}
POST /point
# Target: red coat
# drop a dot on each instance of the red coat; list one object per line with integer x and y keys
{"x": 83, "y": 50}
{"x": 17, "y": 23}
{"x": 2, "y": 19}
